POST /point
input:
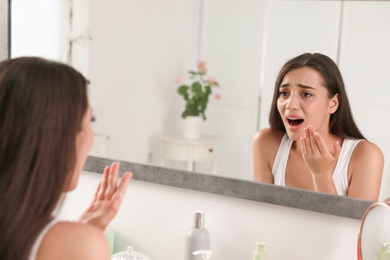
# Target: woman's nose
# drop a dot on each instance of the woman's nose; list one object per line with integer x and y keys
{"x": 292, "y": 103}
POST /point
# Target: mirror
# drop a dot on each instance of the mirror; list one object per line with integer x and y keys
{"x": 132, "y": 51}
{"x": 374, "y": 234}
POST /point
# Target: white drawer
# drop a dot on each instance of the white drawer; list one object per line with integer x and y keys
{"x": 203, "y": 151}
{"x": 185, "y": 152}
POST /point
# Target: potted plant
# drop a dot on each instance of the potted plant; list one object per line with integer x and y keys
{"x": 196, "y": 97}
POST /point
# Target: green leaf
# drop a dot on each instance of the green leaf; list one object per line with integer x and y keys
{"x": 191, "y": 108}
{"x": 182, "y": 89}
{"x": 196, "y": 89}
{"x": 208, "y": 90}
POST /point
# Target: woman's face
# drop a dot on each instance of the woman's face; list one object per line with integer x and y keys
{"x": 84, "y": 142}
{"x": 303, "y": 100}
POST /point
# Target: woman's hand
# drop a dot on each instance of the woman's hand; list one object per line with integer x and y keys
{"x": 107, "y": 199}
{"x": 320, "y": 160}
{"x": 316, "y": 154}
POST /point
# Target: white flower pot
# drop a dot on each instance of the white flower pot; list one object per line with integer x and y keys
{"x": 191, "y": 127}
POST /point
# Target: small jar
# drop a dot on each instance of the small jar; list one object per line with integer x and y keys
{"x": 129, "y": 254}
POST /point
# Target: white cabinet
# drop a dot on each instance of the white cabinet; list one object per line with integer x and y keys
{"x": 174, "y": 147}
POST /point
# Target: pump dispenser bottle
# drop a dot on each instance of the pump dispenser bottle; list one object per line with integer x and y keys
{"x": 383, "y": 253}
{"x": 259, "y": 253}
{"x": 197, "y": 238}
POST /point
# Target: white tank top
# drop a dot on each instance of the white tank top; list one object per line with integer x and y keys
{"x": 340, "y": 174}
{"x": 38, "y": 241}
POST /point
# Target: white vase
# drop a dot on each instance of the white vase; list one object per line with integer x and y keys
{"x": 191, "y": 127}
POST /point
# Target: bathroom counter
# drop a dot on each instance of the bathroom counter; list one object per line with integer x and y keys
{"x": 154, "y": 219}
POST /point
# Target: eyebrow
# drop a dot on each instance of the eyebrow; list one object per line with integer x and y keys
{"x": 299, "y": 85}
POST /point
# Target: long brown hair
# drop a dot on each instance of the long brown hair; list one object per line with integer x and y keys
{"x": 341, "y": 122}
{"x": 42, "y": 104}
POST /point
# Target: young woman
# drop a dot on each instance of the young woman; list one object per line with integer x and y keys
{"x": 45, "y": 137}
{"x": 313, "y": 142}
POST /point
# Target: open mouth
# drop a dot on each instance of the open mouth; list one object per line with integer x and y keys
{"x": 294, "y": 121}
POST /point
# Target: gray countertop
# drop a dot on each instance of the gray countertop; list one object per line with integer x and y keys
{"x": 266, "y": 193}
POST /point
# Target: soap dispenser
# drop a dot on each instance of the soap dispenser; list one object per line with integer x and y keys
{"x": 197, "y": 238}
{"x": 383, "y": 253}
{"x": 259, "y": 253}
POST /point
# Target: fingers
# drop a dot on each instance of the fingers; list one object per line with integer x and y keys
{"x": 320, "y": 143}
{"x": 103, "y": 183}
{"x": 310, "y": 139}
{"x": 315, "y": 144}
{"x": 112, "y": 206}
{"x": 337, "y": 149}
{"x": 109, "y": 187}
{"x": 107, "y": 198}
{"x": 97, "y": 193}
{"x": 112, "y": 180}
{"x": 122, "y": 188}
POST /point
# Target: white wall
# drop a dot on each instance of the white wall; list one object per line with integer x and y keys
{"x": 133, "y": 64}
{"x": 365, "y": 64}
{"x": 155, "y": 218}
{"x": 305, "y": 31}
{"x": 231, "y": 44}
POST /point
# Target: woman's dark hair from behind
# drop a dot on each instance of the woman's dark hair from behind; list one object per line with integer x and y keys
{"x": 42, "y": 104}
{"x": 341, "y": 122}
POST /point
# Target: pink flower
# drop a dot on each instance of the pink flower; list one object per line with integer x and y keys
{"x": 202, "y": 66}
{"x": 177, "y": 79}
{"x": 217, "y": 97}
{"x": 212, "y": 81}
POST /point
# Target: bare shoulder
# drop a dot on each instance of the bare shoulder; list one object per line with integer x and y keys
{"x": 365, "y": 169}
{"x": 265, "y": 144}
{"x": 267, "y": 136}
{"x": 70, "y": 240}
{"x": 367, "y": 151}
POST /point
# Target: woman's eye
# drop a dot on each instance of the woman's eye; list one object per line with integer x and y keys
{"x": 306, "y": 94}
{"x": 282, "y": 93}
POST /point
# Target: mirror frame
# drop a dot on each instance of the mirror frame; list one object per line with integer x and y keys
{"x": 242, "y": 189}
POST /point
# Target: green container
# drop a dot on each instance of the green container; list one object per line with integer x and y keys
{"x": 110, "y": 235}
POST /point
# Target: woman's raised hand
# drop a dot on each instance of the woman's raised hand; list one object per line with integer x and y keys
{"x": 107, "y": 199}
{"x": 316, "y": 154}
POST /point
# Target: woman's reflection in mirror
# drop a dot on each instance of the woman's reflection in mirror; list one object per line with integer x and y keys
{"x": 313, "y": 142}
{"x": 45, "y": 138}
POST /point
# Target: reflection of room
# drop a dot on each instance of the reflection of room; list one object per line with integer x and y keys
{"x": 293, "y": 233}
{"x": 244, "y": 43}
{"x": 336, "y": 28}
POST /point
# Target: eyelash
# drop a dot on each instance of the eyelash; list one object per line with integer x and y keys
{"x": 282, "y": 93}
{"x": 304, "y": 93}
